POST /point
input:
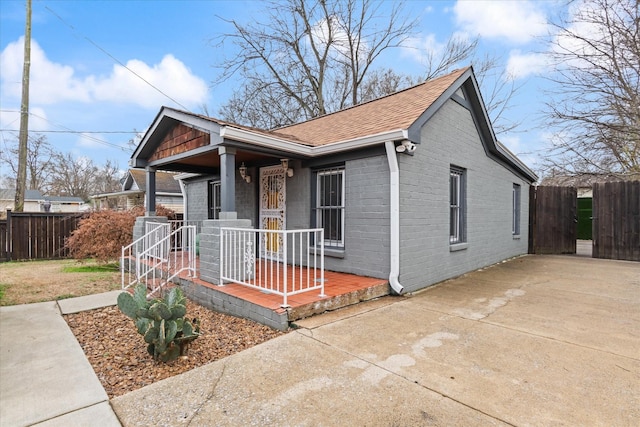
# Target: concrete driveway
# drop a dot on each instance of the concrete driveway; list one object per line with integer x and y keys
{"x": 539, "y": 340}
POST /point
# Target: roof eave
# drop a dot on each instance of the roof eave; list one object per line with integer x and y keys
{"x": 261, "y": 140}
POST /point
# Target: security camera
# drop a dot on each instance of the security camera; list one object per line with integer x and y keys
{"x": 406, "y": 146}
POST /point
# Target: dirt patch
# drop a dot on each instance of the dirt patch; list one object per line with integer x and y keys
{"x": 119, "y": 355}
{"x": 36, "y": 281}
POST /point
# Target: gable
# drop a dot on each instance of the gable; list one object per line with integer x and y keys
{"x": 180, "y": 139}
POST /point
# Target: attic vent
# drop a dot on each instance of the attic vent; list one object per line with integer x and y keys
{"x": 460, "y": 93}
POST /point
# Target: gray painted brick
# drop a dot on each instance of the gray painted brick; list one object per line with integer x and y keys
{"x": 450, "y": 137}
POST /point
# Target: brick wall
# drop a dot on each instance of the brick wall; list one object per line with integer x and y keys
{"x": 197, "y": 199}
{"x": 450, "y": 137}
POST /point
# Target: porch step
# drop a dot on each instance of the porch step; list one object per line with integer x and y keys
{"x": 241, "y": 301}
{"x": 338, "y": 301}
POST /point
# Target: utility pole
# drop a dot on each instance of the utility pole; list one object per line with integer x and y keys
{"x": 21, "y": 179}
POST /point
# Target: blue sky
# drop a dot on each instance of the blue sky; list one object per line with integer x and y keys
{"x": 77, "y": 85}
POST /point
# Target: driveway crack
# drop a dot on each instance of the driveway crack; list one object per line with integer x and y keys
{"x": 209, "y": 396}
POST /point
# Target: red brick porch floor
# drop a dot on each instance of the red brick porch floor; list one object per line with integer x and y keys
{"x": 340, "y": 289}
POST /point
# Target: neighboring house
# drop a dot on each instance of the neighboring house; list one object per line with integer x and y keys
{"x": 134, "y": 187}
{"x": 35, "y": 201}
{"x": 412, "y": 187}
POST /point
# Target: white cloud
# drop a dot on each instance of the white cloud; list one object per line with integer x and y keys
{"x": 48, "y": 82}
{"x": 516, "y": 21}
{"x": 10, "y": 119}
{"x": 521, "y": 65}
{"x": 53, "y": 83}
{"x": 424, "y": 48}
{"x": 170, "y": 76}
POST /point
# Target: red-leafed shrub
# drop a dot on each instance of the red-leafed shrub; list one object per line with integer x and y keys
{"x": 102, "y": 234}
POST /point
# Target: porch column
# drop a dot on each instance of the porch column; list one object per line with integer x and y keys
{"x": 151, "y": 191}
{"x": 227, "y": 182}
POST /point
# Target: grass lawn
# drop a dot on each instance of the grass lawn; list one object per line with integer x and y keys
{"x": 36, "y": 281}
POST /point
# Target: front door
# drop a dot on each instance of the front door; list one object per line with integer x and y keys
{"x": 272, "y": 209}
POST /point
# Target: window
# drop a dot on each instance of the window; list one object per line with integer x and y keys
{"x": 457, "y": 214}
{"x": 515, "y": 221}
{"x": 213, "y": 200}
{"x": 329, "y": 205}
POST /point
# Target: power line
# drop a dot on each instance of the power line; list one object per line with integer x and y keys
{"x": 75, "y": 131}
{"x": 68, "y": 130}
{"x": 113, "y": 57}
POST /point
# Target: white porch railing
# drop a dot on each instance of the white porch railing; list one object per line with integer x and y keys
{"x": 283, "y": 262}
{"x": 159, "y": 256}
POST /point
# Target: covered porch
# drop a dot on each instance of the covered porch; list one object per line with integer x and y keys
{"x": 340, "y": 290}
{"x": 256, "y": 184}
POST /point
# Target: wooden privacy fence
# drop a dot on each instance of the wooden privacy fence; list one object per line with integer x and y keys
{"x": 553, "y": 217}
{"x": 616, "y": 220}
{"x": 34, "y": 235}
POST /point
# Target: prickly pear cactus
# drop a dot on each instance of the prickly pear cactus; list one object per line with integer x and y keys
{"x": 161, "y": 322}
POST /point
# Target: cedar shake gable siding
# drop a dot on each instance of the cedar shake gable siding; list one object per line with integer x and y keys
{"x": 180, "y": 139}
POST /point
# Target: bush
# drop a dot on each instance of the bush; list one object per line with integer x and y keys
{"x": 102, "y": 234}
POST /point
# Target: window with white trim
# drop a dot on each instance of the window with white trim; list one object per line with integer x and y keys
{"x": 515, "y": 219}
{"x": 457, "y": 205}
{"x": 213, "y": 199}
{"x": 329, "y": 205}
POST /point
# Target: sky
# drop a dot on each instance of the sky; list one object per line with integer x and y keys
{"x": 87, "y": 103}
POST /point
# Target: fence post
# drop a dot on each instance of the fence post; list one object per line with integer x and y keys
{"x": 9, "y": 236}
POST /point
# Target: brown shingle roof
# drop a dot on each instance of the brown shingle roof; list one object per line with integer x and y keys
{"x": 392, "y": 112}
{"x": 164, "y": 181}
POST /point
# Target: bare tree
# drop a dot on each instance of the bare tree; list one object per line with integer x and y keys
{"x": 73, "y": 176}
{"x": 38, "y": 162}
{"x": 498, "y": 89}
{"x": 313, "y": 55}
{"x": 107, "y": 178}
{"x": 596, "y": 52}
{"x": 381, "y": 82}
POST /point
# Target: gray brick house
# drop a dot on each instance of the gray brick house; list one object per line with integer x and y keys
{"x": 412, "y": 187}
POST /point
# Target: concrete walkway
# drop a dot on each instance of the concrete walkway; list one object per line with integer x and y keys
{"x": 539, "y": 340}
{"x": 45, "y": 378}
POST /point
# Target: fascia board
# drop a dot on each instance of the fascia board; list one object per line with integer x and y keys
{"x": 185, "y": 175}
{"x": 212, "y": 128}
{"x": 299, "y": 149}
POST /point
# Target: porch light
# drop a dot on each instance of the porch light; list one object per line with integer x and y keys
{"x": 285, "y": 166}
{"x": 243, "y": 173}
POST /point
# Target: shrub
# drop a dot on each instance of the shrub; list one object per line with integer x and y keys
{"x": 102, "y": 234}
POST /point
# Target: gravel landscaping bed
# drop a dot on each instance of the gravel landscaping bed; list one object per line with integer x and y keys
{"x": 119, "y": 355}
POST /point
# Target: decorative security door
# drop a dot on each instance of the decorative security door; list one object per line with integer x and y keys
{"x": 272, "y": 210}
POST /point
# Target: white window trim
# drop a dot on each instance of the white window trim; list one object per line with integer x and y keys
{"x": 211, "y": 204}
{"x": 516, "y": 197}
{"x": 329, "y": 243}
{"x": 459, "y": 235}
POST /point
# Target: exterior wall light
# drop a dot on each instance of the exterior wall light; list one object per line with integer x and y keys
{"x": 285, "y": 166}
{"x": 243, "y": 173}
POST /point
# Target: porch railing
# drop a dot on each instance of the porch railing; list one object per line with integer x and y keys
{"x": 282, "y": 262}
{"x": 158, "y": 257}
